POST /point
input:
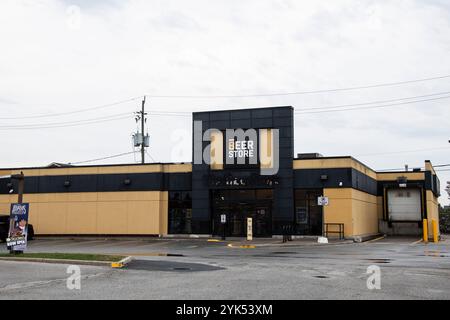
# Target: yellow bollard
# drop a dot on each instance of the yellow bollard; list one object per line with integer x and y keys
{"x": 435, "y": 231}
{"x": 425, "y": 230}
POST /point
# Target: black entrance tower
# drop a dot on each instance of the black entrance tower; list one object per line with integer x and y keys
{"x": 205, "y": 180}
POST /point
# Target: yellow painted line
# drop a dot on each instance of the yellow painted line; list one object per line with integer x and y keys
{"x": 213, "y": 240}
{"x": 377, "y": 239}
{"x": 241, "y": 246}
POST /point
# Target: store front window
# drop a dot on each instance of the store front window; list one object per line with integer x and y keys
{"x": 180, "y": 212}
{"x": 308, "y": 214}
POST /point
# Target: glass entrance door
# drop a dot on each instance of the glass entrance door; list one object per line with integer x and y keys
{"x": 239, "y": 205}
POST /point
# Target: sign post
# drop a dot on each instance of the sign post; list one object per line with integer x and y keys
{"x": 223, "y": 221}
{"x": 18, "y": 227}
{"x": 322, "y": 201}
{"x": 249, "y": 229}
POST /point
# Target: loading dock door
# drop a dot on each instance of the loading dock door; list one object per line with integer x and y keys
{"x": 404, "y": 205}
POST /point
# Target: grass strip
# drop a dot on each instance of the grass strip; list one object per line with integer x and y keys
{"x": 66, "y": 256}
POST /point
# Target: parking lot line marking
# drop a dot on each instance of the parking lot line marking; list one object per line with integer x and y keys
{"x": 374, "y": 240}
{"x": 416, "y": 242}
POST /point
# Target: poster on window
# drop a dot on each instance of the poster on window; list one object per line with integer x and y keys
{"x": 18, "y": 227}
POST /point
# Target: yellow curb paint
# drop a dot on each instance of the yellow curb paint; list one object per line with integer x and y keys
{"x": 230, "y": 245}
{"x": 117, "y": 265}
{"x": 122, "y": 263}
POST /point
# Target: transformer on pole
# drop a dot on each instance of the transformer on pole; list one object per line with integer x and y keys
{"x": 140, "y": 139}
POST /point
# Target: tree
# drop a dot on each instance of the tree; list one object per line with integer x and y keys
{"x": 448, "y": 189}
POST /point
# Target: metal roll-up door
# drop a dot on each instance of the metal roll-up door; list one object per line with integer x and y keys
{"x": 404, "y": 205}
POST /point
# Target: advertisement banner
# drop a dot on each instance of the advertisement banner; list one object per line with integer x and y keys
{"x": 18, "y": 227}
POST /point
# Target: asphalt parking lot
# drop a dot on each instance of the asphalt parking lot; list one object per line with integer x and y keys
{"x": 197, "y": 269}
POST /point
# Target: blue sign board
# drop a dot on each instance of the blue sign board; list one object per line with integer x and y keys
{"x": 18, "y": 227}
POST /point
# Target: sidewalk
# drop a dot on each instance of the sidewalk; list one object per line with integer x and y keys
{"x": 270, "y": 242}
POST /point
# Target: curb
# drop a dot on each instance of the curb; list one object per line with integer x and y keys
{"x": 230, "y": 245}
{"x": 59, "y": 261}
{"x": 122, "y": 263}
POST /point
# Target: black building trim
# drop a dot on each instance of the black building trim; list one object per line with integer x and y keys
{"x": 334, "y": 178}
{"x": 101, "y": 183}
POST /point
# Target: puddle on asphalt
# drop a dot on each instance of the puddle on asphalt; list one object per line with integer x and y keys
{"x": 284, "y": 252}
{"x": 170, "y": 266}
{"x": 155, "y": 254}
{"x": 379, "y": 260}
{"x": 434, "y": 253}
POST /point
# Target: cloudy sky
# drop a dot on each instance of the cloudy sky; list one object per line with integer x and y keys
{"x": 58, "y": 57}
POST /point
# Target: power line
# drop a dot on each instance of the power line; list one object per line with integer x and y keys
{"x": 66, "y": 125}
{"x": 58, "y": 124}
{"x": 104, "y": 158}
{"x": 373, "y": 102}
{"x": 389, "y": 84}
{"x": 434, "y": 166}
{"x": 256, "y": 95}
{"x": 305, "y": 110}
{"x": 71, "y": 112}
{"x": 148, "y": 153}
{"x": 375, "y": 107}
{"x": 404, "y": 151}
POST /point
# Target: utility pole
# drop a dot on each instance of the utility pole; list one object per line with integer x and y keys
{"x": 142, "y": 131}
{"x": 141, "y": 139}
